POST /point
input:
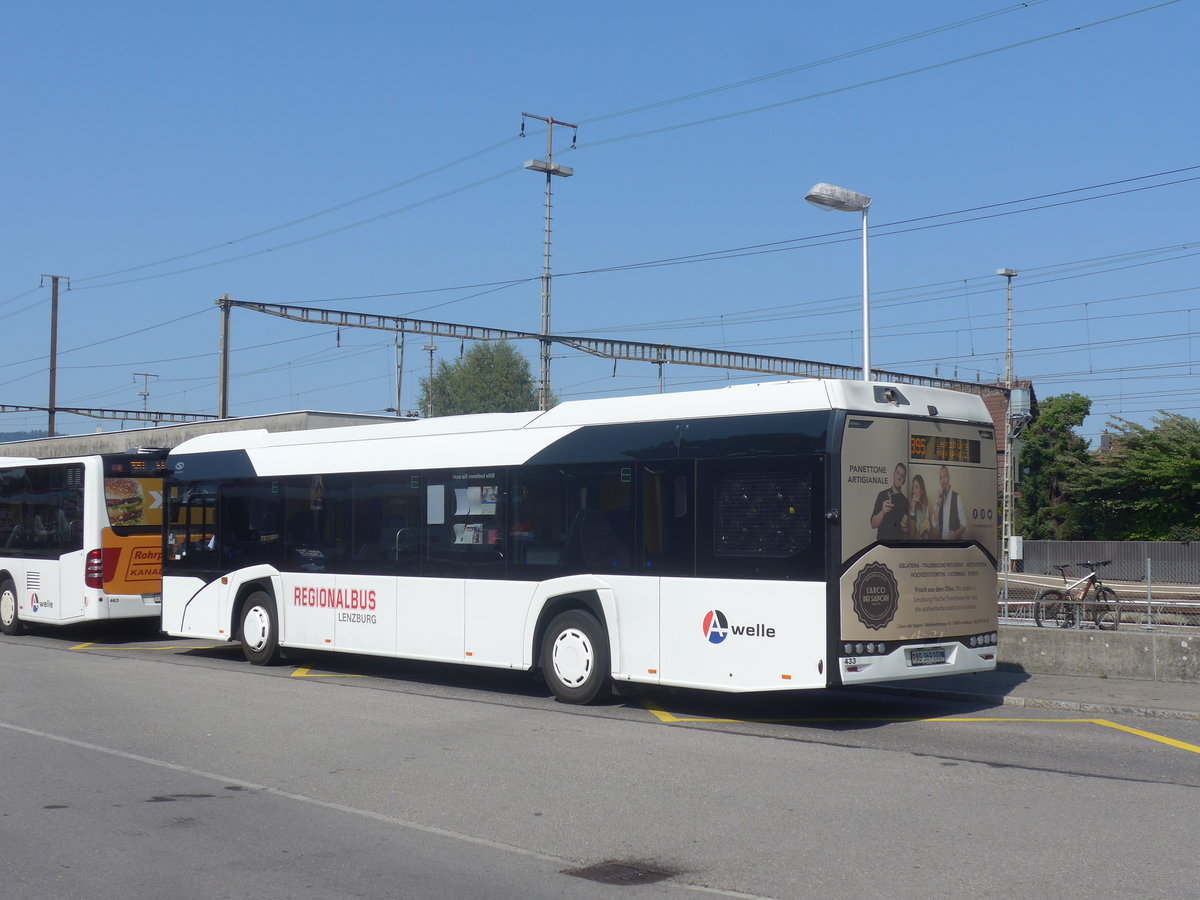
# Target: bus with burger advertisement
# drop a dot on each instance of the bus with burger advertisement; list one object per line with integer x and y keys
{"x": 80, "y": 539}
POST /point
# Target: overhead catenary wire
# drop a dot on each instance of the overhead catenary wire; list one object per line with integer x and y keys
{"x": 483, "y": 151}
{"x": 1077, "y": 267}
{"x": 804, "y": 67}
{"x": 724, "y": 117}
{"x": 495, "y": 176}
{"x": 457, "y": 300}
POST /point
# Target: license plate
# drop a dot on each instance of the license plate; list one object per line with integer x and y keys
{"x": 930, "y": 657}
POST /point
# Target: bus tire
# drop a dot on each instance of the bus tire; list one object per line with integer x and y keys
{"x": 10, "y": 619}
{"x": 259, "y": 630}
{"x": 575, "y": 658}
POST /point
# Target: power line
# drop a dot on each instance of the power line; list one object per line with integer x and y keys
{"x": 882, "y": 230}
{"x": 607, "y": 116}
{"x": 736, "y": 319}
{"x": 306, "y": 218}
{"x": 792, "y": 70}
{"x": 308, "y": 238}
{"x": 16, "y": 297}
{"x": 877, "y": 81}
{"x": 118, "y": 337}
{"x": 497, "y": 145}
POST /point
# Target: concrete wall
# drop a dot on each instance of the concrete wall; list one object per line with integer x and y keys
{"x": 173, "y": 435}
{"x": 1148, "y": 655}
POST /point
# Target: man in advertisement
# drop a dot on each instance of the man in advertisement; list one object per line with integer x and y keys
{"x": 950, "y": 514}
{"x": 890, "y": 516}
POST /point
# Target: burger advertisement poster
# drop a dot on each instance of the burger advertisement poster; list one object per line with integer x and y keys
{"x": 133, "y": 501}
{"x": 133, "y": 541}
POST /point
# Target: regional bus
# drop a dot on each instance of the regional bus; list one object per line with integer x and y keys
{"x": 80, "y": 539}
{"x": 728, "y": 540}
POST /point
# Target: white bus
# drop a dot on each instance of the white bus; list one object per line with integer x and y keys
{"x": 755, "y": 538}
{"x": 80, "y": 539}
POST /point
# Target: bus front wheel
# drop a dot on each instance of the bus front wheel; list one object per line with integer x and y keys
{"x": 575, "y": 658}
{"x": 10, "y": 619}
{"x": 259, "y": 630}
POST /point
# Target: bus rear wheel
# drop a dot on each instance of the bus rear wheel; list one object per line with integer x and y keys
{"x": 10, "y": 619}
{"x": 575, "y": 658}
{"x": 259, "y": 630}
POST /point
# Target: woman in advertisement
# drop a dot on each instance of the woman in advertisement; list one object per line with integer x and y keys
{"x": 918, "y": 510}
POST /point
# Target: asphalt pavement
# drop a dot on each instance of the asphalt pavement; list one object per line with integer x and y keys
{"x": 1083, "y": 694}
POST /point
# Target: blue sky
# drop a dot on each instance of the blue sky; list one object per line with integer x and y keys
{"x": 365, "y": 156}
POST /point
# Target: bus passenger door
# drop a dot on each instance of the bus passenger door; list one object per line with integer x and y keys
{"x": 69, "y": 571}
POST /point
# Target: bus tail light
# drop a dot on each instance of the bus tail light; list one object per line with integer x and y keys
{"x": 93, "y": 569}
{"x": 100, "y": 566}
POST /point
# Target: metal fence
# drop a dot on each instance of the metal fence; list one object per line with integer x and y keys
{"x": 1157, "y": 584}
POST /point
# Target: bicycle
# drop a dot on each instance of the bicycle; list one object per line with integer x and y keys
{"x": 1064, "y": 608}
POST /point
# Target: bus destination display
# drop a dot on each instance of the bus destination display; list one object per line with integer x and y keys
{"x": 943, "y": 449}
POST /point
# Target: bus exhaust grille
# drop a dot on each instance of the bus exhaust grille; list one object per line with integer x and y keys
{"x": 33, "y": 580}
{"x": 613, "y": 872}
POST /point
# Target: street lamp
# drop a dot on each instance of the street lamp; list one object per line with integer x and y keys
{"x": 827, "y": 196}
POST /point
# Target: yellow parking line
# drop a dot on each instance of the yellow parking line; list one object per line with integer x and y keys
{"x": 306, "y": 672}
{"x": 668, "y": 718}
{"x": 1149, "y": 735}
{"x": 169, "y": 647}
{"x": 659, "y": 713}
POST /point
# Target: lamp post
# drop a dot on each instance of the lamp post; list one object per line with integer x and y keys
{"x": 827, "y": 196}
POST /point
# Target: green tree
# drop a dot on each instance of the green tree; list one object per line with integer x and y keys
{"x": 1054, "y": 458}
{"x": 489, "y": 378}
{"x": 1147, "y": 486}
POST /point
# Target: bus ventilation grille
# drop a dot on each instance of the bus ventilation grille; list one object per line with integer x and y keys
{"x": 613, "y": 872}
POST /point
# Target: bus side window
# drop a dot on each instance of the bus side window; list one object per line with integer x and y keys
{"x": 385, "y": 523}
{"x": 668, "y": 521}
{"x": 538, "y": 520}
{"x": 10, "y": 509}
{"x": 191, "y": 535}
{"x": 464, "y": 524}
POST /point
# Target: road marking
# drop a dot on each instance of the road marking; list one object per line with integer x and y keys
{"x": 668, "y": 718}
{"x": 1149, "y": 735}
{"x": 372, "y": 815}
{"x": 168, "y": 647}
{"x": 307, "y": 672}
